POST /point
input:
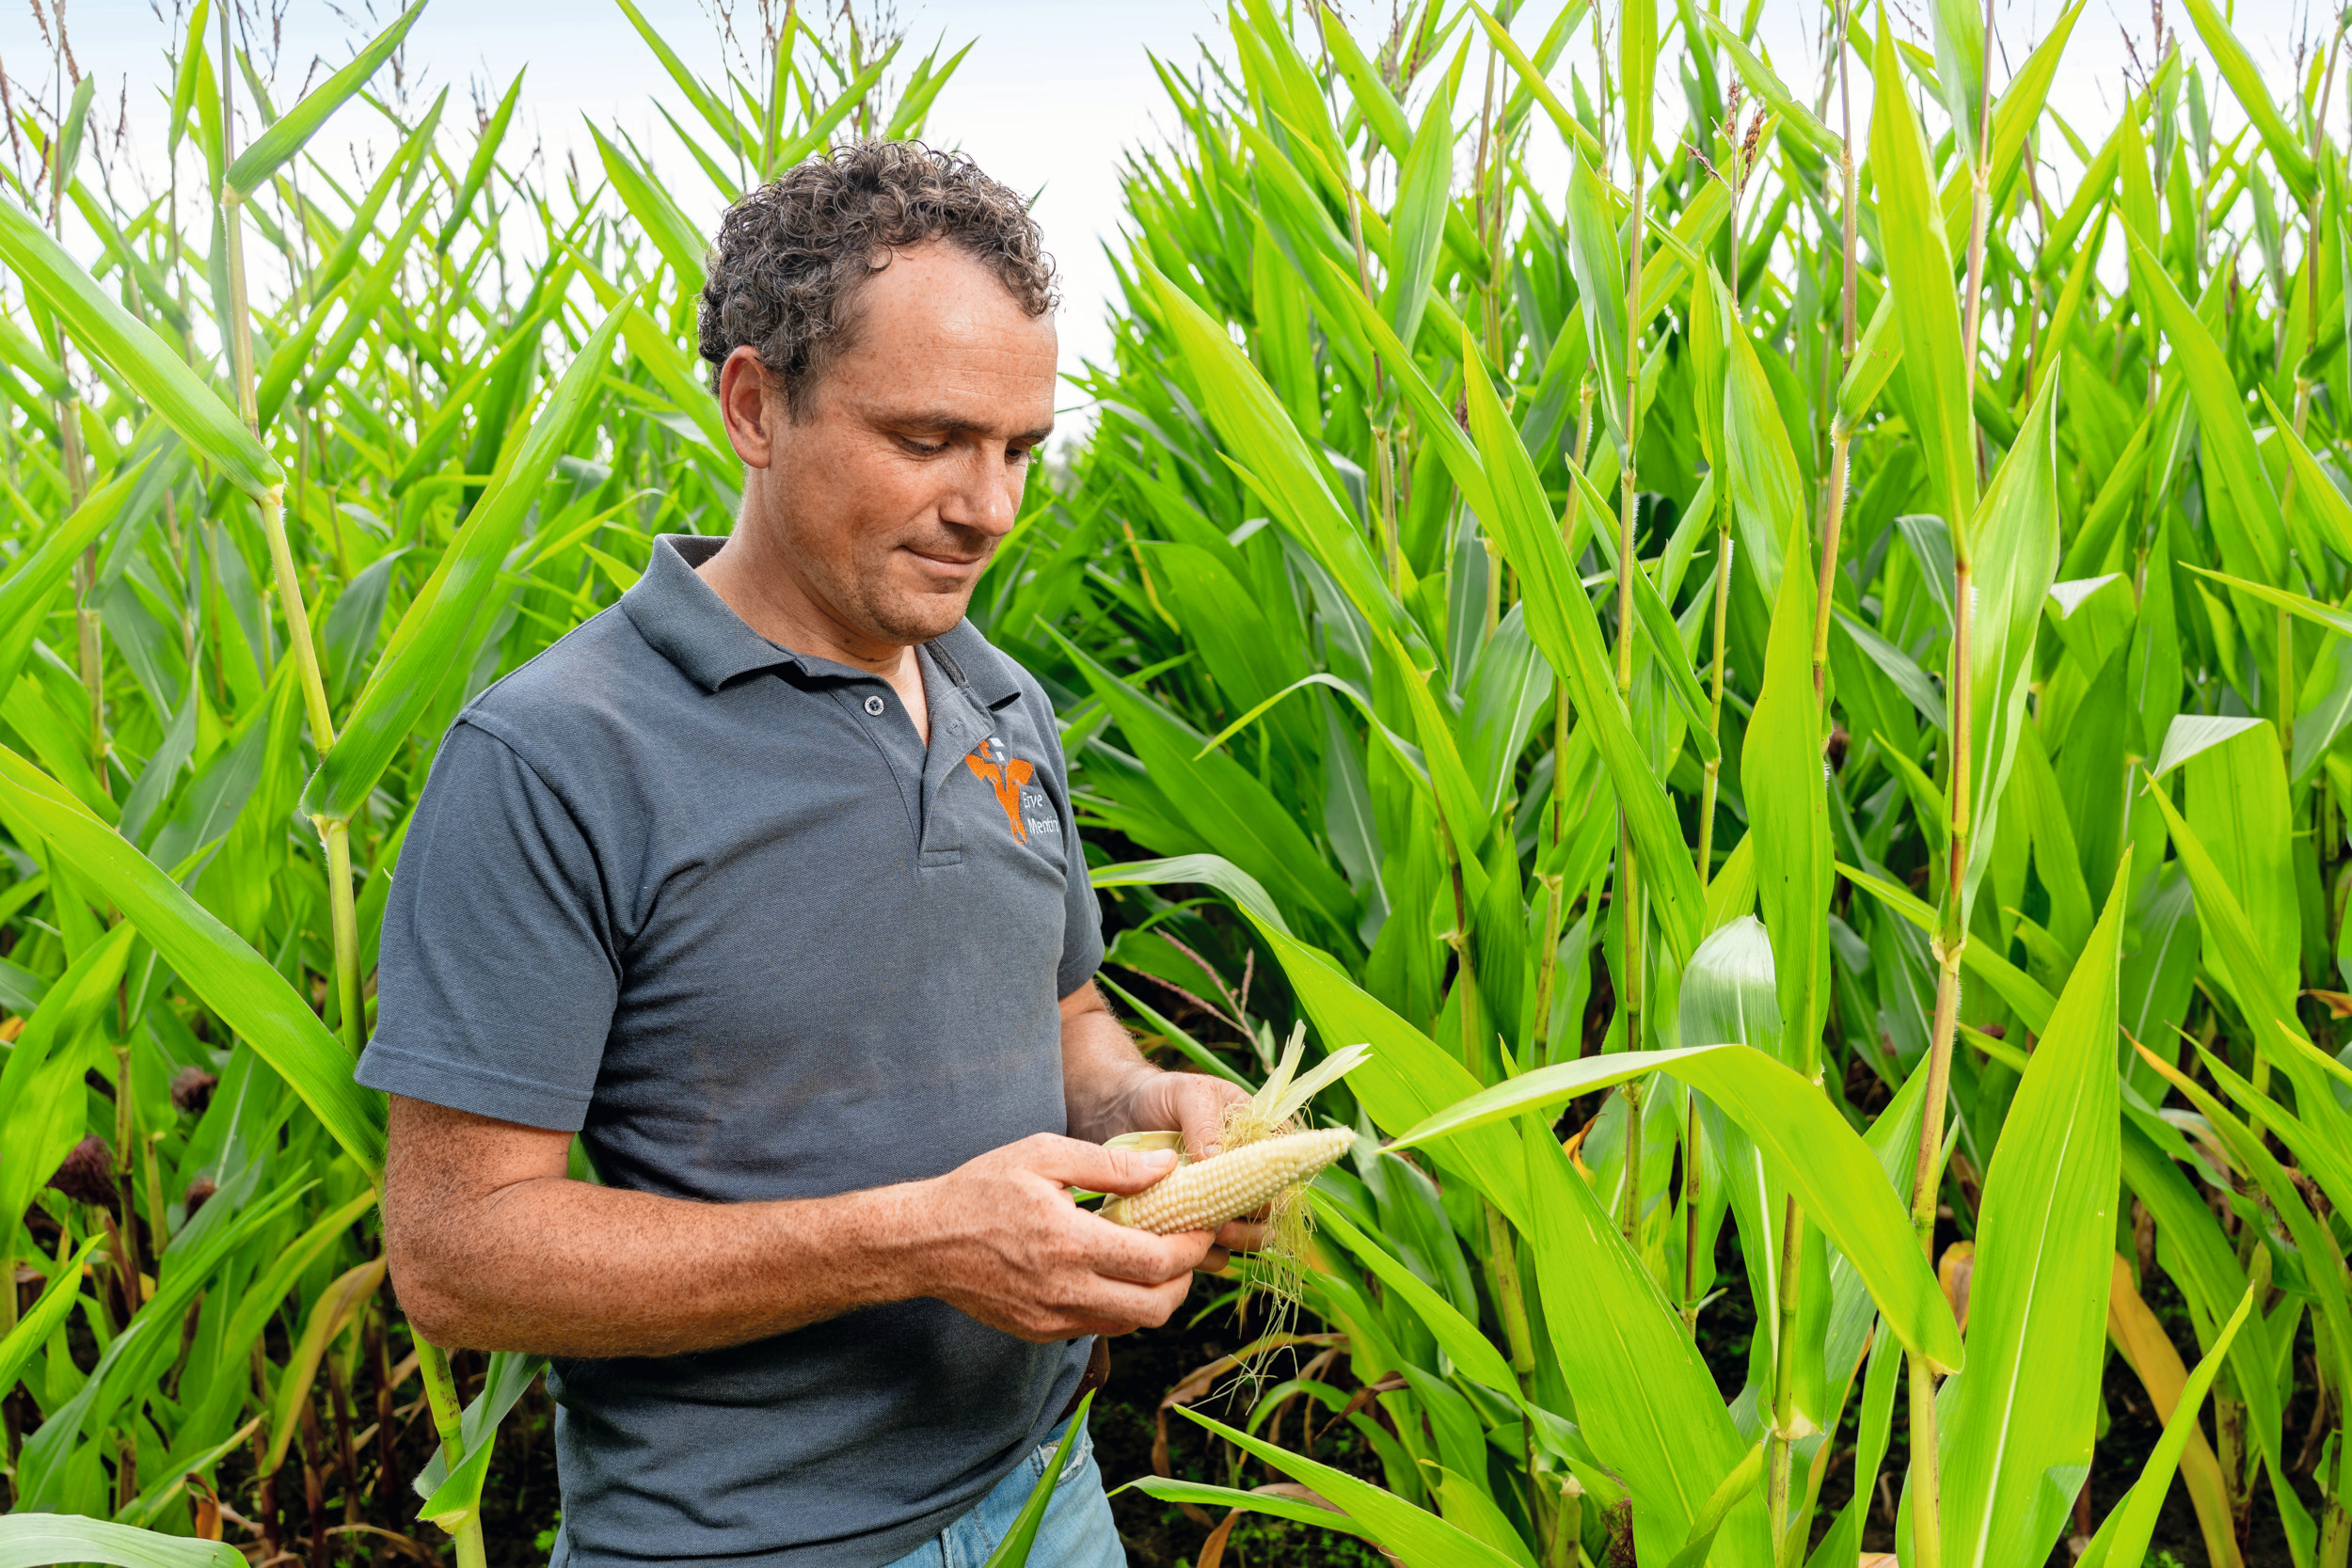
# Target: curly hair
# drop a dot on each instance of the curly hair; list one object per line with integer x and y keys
{"x": 793, "y": 255}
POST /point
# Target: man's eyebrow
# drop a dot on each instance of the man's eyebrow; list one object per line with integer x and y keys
{"x": 956, "y": 424}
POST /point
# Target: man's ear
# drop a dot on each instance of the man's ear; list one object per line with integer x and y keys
{"x": 751, "y": 401}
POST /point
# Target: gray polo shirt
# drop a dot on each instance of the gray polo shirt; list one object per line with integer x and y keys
{"x": 715, "y": 907}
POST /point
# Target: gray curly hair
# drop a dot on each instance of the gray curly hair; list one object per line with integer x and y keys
{"x": 793, "y": 255}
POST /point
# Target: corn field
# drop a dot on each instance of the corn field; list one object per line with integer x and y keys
{"x": 1790, "y": 681}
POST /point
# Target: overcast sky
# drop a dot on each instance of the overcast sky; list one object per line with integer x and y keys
{"x": 1051, "y": 93}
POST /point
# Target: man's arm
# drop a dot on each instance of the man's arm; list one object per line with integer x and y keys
{"x": 1108, "y": 1089}
{"x": 493, "y": 1248}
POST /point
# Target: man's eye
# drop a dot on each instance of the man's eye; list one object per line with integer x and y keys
{"x": 1019, "y": 457}
{"x": 922, "y": 449}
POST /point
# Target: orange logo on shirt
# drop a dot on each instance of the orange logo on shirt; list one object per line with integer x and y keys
{"x": 1005, "y": 779}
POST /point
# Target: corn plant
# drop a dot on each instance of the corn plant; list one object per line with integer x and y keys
{"x": 1823, "y": 628}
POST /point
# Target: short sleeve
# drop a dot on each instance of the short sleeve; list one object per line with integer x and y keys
{"x": 1082, "y": 911}
{"x": 498, "y": 976}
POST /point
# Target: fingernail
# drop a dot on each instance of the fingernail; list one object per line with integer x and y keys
{"x": 1159, "y": 1156}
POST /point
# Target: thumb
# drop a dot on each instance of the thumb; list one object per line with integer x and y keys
{"x": 1074, "y": 1162}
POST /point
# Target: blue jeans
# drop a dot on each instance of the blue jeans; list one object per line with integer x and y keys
{"x": 1076, "y": 1532}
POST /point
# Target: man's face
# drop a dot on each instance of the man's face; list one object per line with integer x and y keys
{"x": 905, "y": 465}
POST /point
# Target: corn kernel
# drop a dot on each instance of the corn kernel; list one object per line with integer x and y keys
{"x": 1207, "y": 1193}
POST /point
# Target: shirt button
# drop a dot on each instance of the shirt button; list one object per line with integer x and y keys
{"x": 874, "y": 706}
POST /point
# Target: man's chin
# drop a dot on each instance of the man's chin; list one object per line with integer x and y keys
{"x": 917, "y": 617}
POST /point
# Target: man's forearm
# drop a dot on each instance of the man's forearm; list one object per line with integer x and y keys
{"x": 565, "y": 1268}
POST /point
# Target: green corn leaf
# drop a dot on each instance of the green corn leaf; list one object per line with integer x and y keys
{"x": 1646, "y": 1400}
{"x": 1374, "y": 100}
{"x": 1250, "y": 420}
{"x": 32, "y": 1331}
{"x": 1637, "y": 72}
{"x": 504, "y": 1382}
{"x": 413, "y": 664}
{"x": 2020, "y": 991}
{"x": 706, "y": 104}
{"x": 2124, "y": 1534}
{"x": 1421, "y": 1539}
{"x": 2201, "y": 1261}
{"x": 100, "y": 323}
{"x": 1808, "y": 1145}
{"x": 2295, "y": 604}
{"x": 1013, "y": 1551}
{"x": 1958, "y": 26}
{"x": 41, "y": 1466}
{"x": 2314, "y": 491}
{"x": 1272, "y": 1504}
{"x": 2239, "y": 810}
{"x": 195, "y": 72}
{"x": 1473, "y": 1354}
{"x": 31, "y": 1540}
{"x": 1220, "y": 800}
{"x": 1560, "y": 620}
{"x": 2017, "y": 1422}
{"x": 2263, "y": 987}
{"x": 345, "y": 256}
{"x": 1532, "y": 80}
{"x": 1762, "y": 81}
{"x": 286, "y": 136}
{"x": 1417, "y": 228}
{"x": 2016, "y": 537}
{"x": 1767, "y": 489}
{"x": 457, "y": 1500}
{"x": 679, "y": 242}
{"x": 1599, "y": 262}
{"x": 1920, "y": 280}
{"x": 1874, "y": 360}
{"x": 34, "y": 578}
{"x": 334, "y": 1311}
{"x": 233, "y": 980}
{"x": 2256, "y": 545}
{"x": 915, "y": 104}
{"x": 20, "y": 350}
{"x": 2314, "y": 1239}
{"x": 1660, "y": 635}
{"x": 1789, "y": 812}
{"x": 2238, "y": 68}
{"x": 1736, "y": 1487}
{"x": 819, "y": 132}
{"x": 123, "y": 254}
{"x": 484, "y": 157}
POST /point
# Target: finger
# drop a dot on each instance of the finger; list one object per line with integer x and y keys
{"x": 1215, "y": 1262}
{"x": 1073, "y": 1162}
{"x": 1117, "y": 1252}
{"x": 1117, "y": 1307}
{"x": 1241, "y": 1236}
{"x": 1200, "y": 1111}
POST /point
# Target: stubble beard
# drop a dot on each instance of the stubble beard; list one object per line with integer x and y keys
{"x": 896, "y": 614}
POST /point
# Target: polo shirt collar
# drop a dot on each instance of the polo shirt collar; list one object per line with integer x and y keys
{"x": 682, "y": 618}
{"x": 967, "y": 659}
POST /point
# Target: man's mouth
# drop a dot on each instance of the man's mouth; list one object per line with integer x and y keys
{"x": 946, "y": 562}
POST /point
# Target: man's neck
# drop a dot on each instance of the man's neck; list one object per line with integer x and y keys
{"x": 757, "y": 582}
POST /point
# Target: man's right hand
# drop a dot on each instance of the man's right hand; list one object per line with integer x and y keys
{"x": 1000, "y": 1239}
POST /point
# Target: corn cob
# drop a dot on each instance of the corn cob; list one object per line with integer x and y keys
{"x": 1240, "y": 1181}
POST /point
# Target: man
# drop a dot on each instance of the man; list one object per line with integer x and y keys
{"x": 764, "y": 881}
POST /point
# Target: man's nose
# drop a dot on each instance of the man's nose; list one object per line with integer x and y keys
{"x": 986, "y": 495}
